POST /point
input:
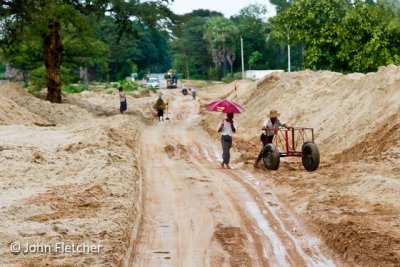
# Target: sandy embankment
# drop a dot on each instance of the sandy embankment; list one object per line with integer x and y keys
{"x": 76, "y": 182}
{"x": 352, "y": 200}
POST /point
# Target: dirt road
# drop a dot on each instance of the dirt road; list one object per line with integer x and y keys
{"x": 152, "y": 194}
{"x": 196, "y": 214}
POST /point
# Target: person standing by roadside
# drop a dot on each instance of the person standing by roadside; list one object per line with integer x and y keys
{"x": 227, "y": 127}
{"x": 269, "y": 128}
{"x": 122, "y": 99}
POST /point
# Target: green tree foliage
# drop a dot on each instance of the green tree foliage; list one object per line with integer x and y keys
{"x": 46, "y": 20}
{"x": 41, "y": 22}
{"x": 314, "y": 22}
{"x": 393, "y": 5}
{"x": 281, "y": 4}
{"x": 88, "y": 51}
{"x": 140, "y": 46}
{"x": 191, "y": 54}
{"x": 24, "y": 49}
{"x": 254, "y": 58}
{"x": 253, "y": 28}
{"x": 221, "y": 35}
{"x": 38, "y": 80}
{"x": 200, "y": 13}
{"x": 369, "y": 37}
{"x": 191, "y": 49}
{"x": 341, "y": 35}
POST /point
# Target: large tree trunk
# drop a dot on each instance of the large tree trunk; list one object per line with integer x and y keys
{"x": 52, "y": 61}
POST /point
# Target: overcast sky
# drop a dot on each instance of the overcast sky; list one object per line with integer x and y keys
{"x": 226, "y": 7}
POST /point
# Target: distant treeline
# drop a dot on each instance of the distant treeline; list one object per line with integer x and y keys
{"x": 109, "y": 40}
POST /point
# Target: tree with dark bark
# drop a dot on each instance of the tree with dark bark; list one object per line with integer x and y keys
{"x": 46, "y": 19}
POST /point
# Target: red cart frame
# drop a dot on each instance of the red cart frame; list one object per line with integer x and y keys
{"x": 290, "y": 141}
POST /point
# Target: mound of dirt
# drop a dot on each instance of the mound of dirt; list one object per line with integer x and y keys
{"x": 53, "y": 113}
{"x": 343, "y": 109}
{"x": 352, "y": 199}
{"x": 77, "y": 184}
{"x": 12, "y": 113}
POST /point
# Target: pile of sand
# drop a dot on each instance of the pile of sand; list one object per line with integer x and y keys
{"x": 107, "y": 104}
{"x": 344, "y": 110}
{"x": 12, "y": 113}
{"x": 77, "y": 182}
{"x": 352, "y": 199}
{"x": 53, "y": 113}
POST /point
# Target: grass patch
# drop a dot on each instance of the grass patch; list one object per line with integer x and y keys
{"x": 73, "y": 89}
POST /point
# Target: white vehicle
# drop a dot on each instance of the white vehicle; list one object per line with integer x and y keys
{"x": 153, "y": 82}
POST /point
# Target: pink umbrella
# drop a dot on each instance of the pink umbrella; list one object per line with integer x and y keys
{"x": 225, "y": 106}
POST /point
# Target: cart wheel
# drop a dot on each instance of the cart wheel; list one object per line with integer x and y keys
{"x": 310, "y": 156}
{"x": 271, "y": 157}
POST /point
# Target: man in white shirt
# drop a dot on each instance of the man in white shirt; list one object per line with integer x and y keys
{"x": 226, "y": 127}
{"x": 269, "y": 128}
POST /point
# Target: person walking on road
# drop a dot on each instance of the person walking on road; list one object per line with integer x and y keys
{"x": 122, "y": 98}
{"x": 227, "y": 127}
{"x": 160, "y": 106}
{"x": 269, "y": 129}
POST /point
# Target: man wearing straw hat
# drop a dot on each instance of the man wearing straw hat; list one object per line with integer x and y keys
{"x": 269, "y": 129}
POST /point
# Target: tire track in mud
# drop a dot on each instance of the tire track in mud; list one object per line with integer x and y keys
{"x": 286, "y": 245}
{"x": 270, "y": 217}
{"x": 157, "y": 230}
{"x": 171, "y": 198}
{"x": 197, "y": 215}
{"x": 256, "y": 245}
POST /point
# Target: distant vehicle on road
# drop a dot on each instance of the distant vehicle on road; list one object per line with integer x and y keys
{"x": 172, "y": 79}
{"x": 153, "y": 83}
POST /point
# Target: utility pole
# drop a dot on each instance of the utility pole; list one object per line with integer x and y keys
{"x": 241, "y": 48}
{"x": 288, "y": 51}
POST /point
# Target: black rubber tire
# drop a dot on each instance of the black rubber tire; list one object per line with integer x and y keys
{"x": 271, "y": 157}
{"x": 310, "y": 156}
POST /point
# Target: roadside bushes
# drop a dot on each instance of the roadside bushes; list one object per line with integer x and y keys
{"x": 128, "y": 85}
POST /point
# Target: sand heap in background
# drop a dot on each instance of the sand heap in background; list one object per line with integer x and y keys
{"x": 344, "y": 110}
{"x": 352, "y": 199}
{"x": 12, "y": 113}
{"x": 52, "y": 113}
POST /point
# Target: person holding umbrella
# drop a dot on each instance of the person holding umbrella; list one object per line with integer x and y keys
{"x": 227, "y": 127}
